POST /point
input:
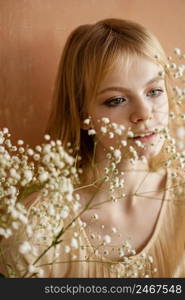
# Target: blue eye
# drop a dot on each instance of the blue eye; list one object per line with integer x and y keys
{"x": 115, "y": 101}
{"x": 157, "y": 92}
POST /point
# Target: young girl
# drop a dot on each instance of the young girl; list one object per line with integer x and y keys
{"x": 112, "y": 102}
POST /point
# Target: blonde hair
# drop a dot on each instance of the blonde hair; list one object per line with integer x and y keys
{"x": 89, "y": 53}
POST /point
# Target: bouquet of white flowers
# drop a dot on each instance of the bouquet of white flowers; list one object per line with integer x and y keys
{"x": 51, "y": 171}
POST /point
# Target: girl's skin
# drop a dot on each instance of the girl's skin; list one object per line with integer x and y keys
{"x": 141, "y": 107}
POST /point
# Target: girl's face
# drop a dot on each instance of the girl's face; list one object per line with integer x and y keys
{"x": 136, "y": 99}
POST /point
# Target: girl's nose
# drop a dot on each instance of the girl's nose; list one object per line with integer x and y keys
{"x": 141, "y": 112}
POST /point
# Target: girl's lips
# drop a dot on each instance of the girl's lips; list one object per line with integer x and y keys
{"x": 146, "y": 138}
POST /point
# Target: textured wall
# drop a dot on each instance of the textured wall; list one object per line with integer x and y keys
{"x": 32, "y": 36}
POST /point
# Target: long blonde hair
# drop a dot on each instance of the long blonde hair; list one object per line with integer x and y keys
{"x": 89, "y": 53}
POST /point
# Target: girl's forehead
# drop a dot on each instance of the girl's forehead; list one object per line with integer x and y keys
{"x": 133, "y": 68}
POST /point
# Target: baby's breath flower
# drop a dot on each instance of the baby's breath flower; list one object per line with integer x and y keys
{"x": 156, "y": 56}
{"x": 173, "y": 66}
{"x": 74, "y": 243}
{"x": 180, "y": 132}
{"x": 111, "y": 135}
{"x": 95, "y": 216}
{"x": 121, "y": 252}
{"x": 182, "y": 116}
{"x": 139, "y": 144}
{"x": 30, "y": 152}
{"x": 172, "y": 115}
{"x": 43, "y": 177}
{"x": 117, "y": 155}
{"x": 107, "y": 239}
{"x": 28, "y": 175}
{"x": 92, "y": 236}
{"x": 177, "y": 51}
{"x": 103, "y": 129}
{"x": 67, "y": 249}
{"x": 25, "y": 247}
{"x": 114, "y": 230}
{"x": 2, "y": 140}
{"x": 105, "y": 120}
{"x": 38, "y": 148}
{"x": 91, "y": 132}
{"x": 124, "y": 143}
{"x": 130, "y": 134}
{"x": 20, "y": 142}
{"x": 87, "y": 121}
{"x": 64, "y": 212}
{"x": 32, "y": 269}
{"x": 47, "y": 137}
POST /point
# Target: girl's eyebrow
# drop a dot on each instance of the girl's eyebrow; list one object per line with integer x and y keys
{"x": 122, "y": 89}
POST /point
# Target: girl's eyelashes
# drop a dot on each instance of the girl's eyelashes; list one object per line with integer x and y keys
{"x": 118, "y": 100}
{"x": 157, "y": 93}
{"x": 115, "y": 101}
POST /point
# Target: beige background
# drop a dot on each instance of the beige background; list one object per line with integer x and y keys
{"x": 32, "y": 35}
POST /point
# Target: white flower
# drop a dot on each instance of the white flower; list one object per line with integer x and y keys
{"x": 124, "y": 143}
{"x": 25, "y": 247}
{"x": 114, "y": 125}
{"x": 38, "y": 148}
{"x": 47, "y": 137}
{"x": 111, "y": 135}
{"x": 12, "y": 191}
{"x": 29, "y": 230}
{"x": 67, "y": 249}
{"x": 92, "y": 236}
{"x": 157, "y": 56}
{"x": 32, "y": 268}
{"x": 105, "y": 120}
{"x": 161, "y": 73}
{"x": 30, "y": 152}
{"x": 69, "y": 197}
{"x": 43, "y": 177}
{"x": 28, "y": 175}
{"x": 13, "y": 173}
{"x": 40, "y": 272}
{"x": 95, "y": 216}
{"x": 117, "y": 154}
{"x": 47, "y": 149}
{"x": 177, "y": 51}
{"x": 2, "y": 231}
{"x": 118, "y": 131}
{"x": 103, "y": 129}
{"x": 114, "y": 230}
{"x": 36, "y": 156}
{"x": 130, "y": 134}
{"x": 121, "y": 252}
{"x": 87, "y": 121}
{"x": 15, "y": 225}
{"x": 91, "y": 132}
{"x": 20, "y": 142}
{"x": 172, "y": 115}
{"x": 173, "y": 66}
{"x": 5, "y": 130}
{"x": 139, "y": 144}
{"x": 150, "y": 258}
{"x": 107, "y": 239}
{"x": 65, "y": 212}
{"x": 2, "y": 140}
{"x": 74, "y": 243}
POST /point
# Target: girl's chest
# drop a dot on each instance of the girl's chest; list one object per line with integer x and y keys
{"x": 113, "y": 234}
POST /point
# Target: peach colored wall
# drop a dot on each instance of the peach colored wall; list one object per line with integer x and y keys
{"x": 32, "y": 34}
